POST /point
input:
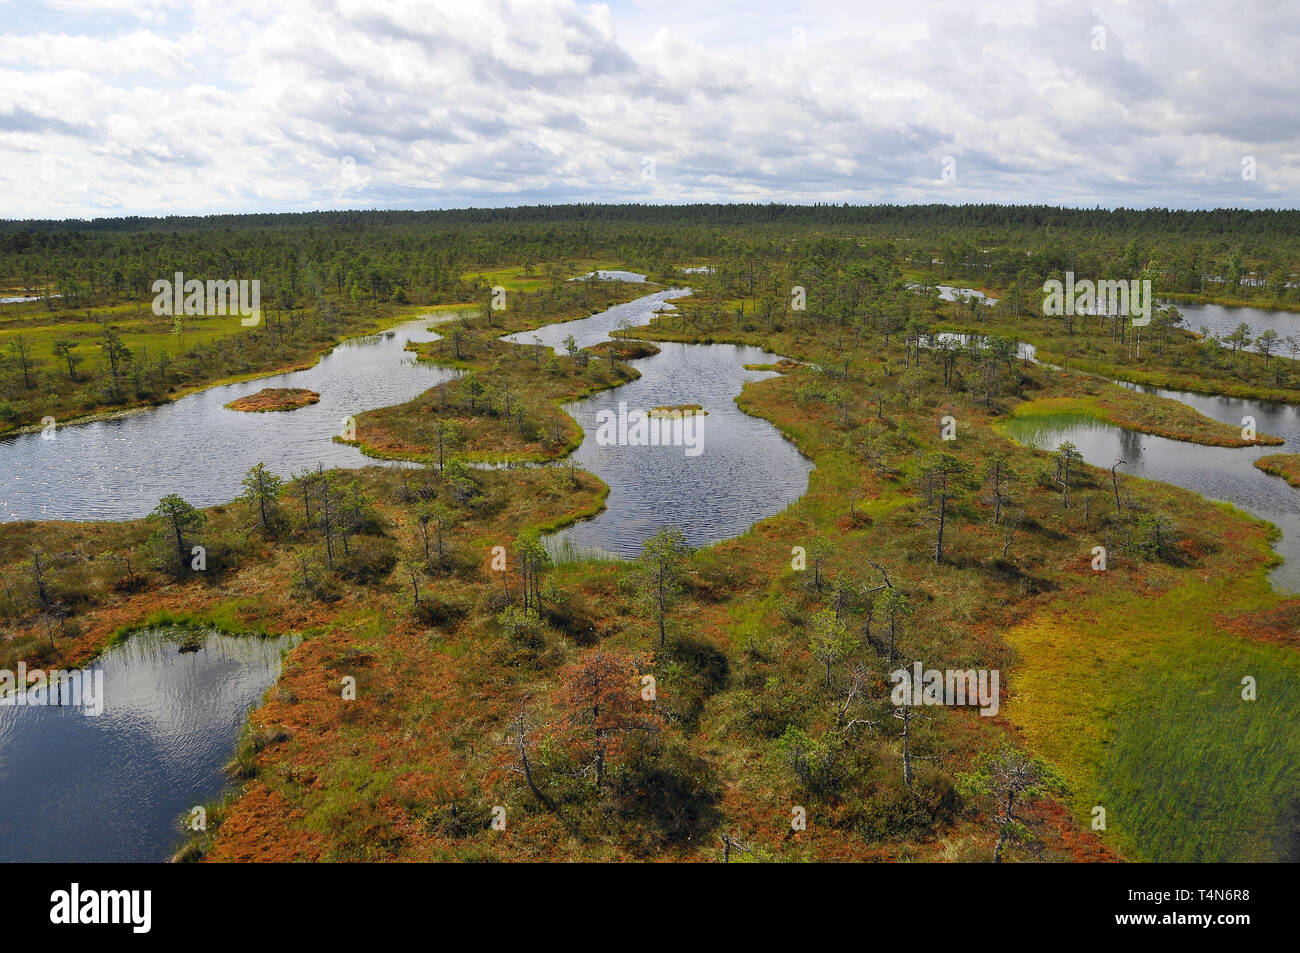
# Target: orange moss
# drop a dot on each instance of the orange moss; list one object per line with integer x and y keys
{"x": 1280, "y": 623}
{"x": 623, "y": 350}
{"x": 275, "y": 398}
{"x": 1284, "y": 465}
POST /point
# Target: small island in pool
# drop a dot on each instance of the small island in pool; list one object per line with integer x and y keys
{"x": 623, "y": 350}
{"x": 678, "y": 410}
{"x": 275, "y": 398}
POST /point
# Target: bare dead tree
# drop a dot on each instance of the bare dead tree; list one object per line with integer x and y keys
{"x": 729, "y": 844}
{"x": 38, "y": 576}
{"x": 517, "y": 739}
{"x": 1011, "y": 531}
{"x": 1114, "y": 482}
{"x": 855, "y": 690}
{"x": 132, "y": 580}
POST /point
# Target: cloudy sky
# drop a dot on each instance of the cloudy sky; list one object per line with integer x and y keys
{"x": 113, "y": 107}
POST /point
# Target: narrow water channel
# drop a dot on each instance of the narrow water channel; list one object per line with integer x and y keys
{"x": 1218, "y": 473}
{"x": 113, "y": 786}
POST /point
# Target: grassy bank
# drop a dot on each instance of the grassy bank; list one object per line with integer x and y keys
{"x": 773, "y": 666}
{"x": 124, "y": 357}
{"x": 507, "y": 405}
{"x": 1113, "y": 675}
{"x": 1144, "y": 414}
{"x": 1284, "y": 465}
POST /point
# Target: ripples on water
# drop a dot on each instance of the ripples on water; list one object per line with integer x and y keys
{"x": 119, "y": 468}
{"x": 113, "y": 787}
{"x": 747, "y": 471}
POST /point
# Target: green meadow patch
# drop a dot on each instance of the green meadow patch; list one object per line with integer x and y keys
{"x": 1199, "y": 772}
{"x": 1136, "y": 696}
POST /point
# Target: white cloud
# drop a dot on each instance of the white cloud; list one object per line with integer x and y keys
{"x": 239, "y": 106}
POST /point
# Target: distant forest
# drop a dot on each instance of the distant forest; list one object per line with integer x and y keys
{"x": 423, "y": 255}
{"x": 1244, "y": 222}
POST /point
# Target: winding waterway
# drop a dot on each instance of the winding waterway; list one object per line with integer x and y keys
{"x": 113, "y": 787}
{"x": 118, "y": 468}
{"x": 1219, "y": 473}
{"x": 745, "y": 470}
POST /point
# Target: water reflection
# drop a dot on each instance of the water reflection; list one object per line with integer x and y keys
{"x": 1219, "y": 473}
{"x": 119, "y": 468}
{"x": 1223, "y": 320}
{"x": 747, "y": 471}
{"x": 111, "y": 788}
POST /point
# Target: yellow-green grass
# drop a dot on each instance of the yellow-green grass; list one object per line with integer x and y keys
{"x": 539, "y": 381}
{"x": 1284, "y": 465}
{"x": 35, "y": 314}
{"x": 515, "y": 278}
{"x": 137, "y": 325}
{"x": 751, "y": 571}
{"x": 441, "y": 309}
{"x": 1084, "y": 660}
{"x": 364, "y": 780}
{"x": 1176, "y": 380}
{"x": 512, "y": 279}
{"x": 147, "y": 335}
{"x": 1144, "y": 413}
{"x": 407, "y": 431}
{"x": 1135, "y": 694}
{"x": 237, "y": 616}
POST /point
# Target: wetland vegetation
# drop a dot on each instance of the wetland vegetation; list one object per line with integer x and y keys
{"x": 440, "y": 664}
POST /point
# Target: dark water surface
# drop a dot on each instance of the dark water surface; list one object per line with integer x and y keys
{"x": 120, "y": 467}
{"x": 1221, "y": 320}
{"x": 1219, "y": 473}
{"x": 745, "y": 471}
{"x": 112, "y": 787}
